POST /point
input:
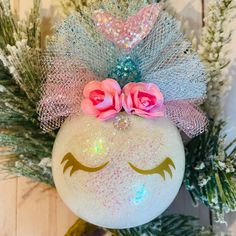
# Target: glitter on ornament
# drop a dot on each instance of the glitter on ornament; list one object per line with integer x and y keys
{"x": 127, "y": 33}
{"x": 117, "y": 193}
{"x": 98, "y": 146}
{"x": 121, "y": 122}
{"x": 140, "y": 193}
{"x": 125, "y": 71}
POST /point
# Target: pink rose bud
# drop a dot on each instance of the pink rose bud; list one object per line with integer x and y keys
{"x": 102, "y": 99}
{"x": 143, "y": 99}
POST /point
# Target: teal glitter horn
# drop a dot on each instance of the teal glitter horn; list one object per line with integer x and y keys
{"x": 125, "y": 71}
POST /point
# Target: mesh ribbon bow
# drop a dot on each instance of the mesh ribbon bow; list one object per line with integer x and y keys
{"x": 153, "y": 50}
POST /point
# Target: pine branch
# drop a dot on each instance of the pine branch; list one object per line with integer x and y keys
{"x": 210, "y": 170}
{"x": 22, "y": 143}
{"x": 24, "y": 149}
{"x": 216, "y": 34}
{"x": 169, "y": 225}
{"x": 120, "y": 8}
{"x": 20, "y": 48}
{"x": 7, "y": 27}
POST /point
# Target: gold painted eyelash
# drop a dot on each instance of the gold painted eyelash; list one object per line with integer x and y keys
{"x": 76, "y": 165}
{"x": 164, "y": 166}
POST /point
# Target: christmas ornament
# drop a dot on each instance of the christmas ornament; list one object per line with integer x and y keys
{"x": 119, "y": 173}
{"x": 123, "y": 86}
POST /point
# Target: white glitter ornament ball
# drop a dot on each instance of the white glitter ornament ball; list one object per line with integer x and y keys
{"x": 119, "y": 173}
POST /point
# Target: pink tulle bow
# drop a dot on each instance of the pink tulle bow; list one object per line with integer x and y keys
{"x": 62, "y": 92}
{"x": 74, "y": 78}
{"x": 104, "y": 99}
{"x": 186, "y": 116}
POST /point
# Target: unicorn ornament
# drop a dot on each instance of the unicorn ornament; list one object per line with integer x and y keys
{"x": 121, "y": 90}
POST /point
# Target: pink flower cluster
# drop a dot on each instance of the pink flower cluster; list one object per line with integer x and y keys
{"x": 104, "y": 99}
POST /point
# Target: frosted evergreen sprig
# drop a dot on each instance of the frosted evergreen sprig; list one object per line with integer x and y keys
{"x": 165, "y": 225}
{"x": 8, "y": 27}
{"x": 215, "y": 36}
{"x": 23, "y": 146}
{"x": 20, "y": 48}
{"x": 168, "y": 225}
{"x": 24, "y": 149}
{"x": 119, "y": 8}
{"x": 12, "y": 29}
{"x": 210, "y": 170}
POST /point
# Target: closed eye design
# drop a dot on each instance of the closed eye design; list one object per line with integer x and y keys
{"x": 164, "y": 166}
{"x": 71, "y": 161}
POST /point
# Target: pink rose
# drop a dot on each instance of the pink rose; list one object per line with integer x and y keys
{"x": 102, "y": 99}
{"x": 143, "y": 99}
